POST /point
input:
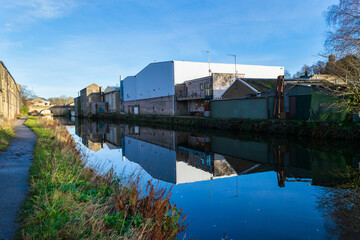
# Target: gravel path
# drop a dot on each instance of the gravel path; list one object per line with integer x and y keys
{"x": 14, "y": 172}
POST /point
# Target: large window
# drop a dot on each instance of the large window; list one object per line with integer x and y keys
{"x": 207, "y": 89}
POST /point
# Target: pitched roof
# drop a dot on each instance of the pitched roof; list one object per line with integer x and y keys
{"x": 250, "y": 86}
{"x": 112, "y": 89}
{"x": 261, "y": 84}
{"x": 40, "y": 98}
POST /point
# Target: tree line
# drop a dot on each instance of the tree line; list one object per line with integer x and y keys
{"x": 28, "y": 95}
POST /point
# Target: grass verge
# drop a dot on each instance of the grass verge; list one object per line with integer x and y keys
{"x": 6, "y": 134}
{"x": 67, "y": 200}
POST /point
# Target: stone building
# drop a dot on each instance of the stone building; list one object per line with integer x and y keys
{"x": 329, "y": 78}
{"x": 10, "y": 97}
{"x": 87, "y": 96}
{"x": 41, "y": 102}
{"x": 112, "y": 97}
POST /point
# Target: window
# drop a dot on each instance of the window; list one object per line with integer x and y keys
{"x": 201, "y": 86}
{"x": 207, "y": 89}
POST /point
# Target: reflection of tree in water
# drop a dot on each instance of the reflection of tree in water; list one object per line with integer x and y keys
{"x": 341, "y": 207}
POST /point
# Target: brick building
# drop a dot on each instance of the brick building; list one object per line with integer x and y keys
{"x": 10, "y": 97}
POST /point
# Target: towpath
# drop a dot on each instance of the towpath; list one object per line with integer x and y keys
{"x": 15, "y": 162}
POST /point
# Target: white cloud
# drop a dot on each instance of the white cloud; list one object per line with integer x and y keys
{"x": 42, "y": 9}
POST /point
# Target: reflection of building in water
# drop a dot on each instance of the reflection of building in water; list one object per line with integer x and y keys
{"x": 182, "y": 157}
{"x": 95, "y": 135}
{"x": 176, "y": 157}
{"x": 113, "y": 135}
{"x": 66, "y": 121}
{"x": 91, "y": 133}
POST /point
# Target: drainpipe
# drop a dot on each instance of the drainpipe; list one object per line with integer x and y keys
{"x": 173, "y": 74}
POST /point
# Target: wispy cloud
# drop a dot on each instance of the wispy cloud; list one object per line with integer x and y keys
{"x": 41, "y": 9}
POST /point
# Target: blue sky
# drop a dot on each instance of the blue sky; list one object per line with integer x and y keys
{"x": 59, "y": 47}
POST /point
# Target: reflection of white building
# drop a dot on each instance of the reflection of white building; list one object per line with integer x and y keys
{"x": 154, "y": 89}
{"x": 162, "y": 163}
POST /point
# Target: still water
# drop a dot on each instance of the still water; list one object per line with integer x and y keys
{"x": 230, "y": 187}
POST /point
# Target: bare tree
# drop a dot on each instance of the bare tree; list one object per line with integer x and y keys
{"x": 62, "y": 100}
{"x": 343, "y": 40}
{"x": 27, "y": 95}
{"x": 344, "y": 35}
{"x": 287, "y": 74}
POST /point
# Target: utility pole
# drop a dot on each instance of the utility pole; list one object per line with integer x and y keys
{"x": 233, "y": 55}
{"x": 208, "y": 52}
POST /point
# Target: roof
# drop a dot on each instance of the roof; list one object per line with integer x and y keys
{"x": 253, "y": 86}
{"x": 44, "y": 99}
{"x": 18, "y": 86}
{"x": 213, "y": 66}
{"x": 261, "y": 84}
{"x": 110, "y": 89}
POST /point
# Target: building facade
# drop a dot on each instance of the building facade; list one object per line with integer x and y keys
{"x": 88, "y": 96}
{"x": 171, "y": 88}
{"x": 41, "y": 102}
{"x": 112, "y": 97}
{"x": 10, "y": 94}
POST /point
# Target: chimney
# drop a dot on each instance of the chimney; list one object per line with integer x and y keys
{"x": 332, "y": 58}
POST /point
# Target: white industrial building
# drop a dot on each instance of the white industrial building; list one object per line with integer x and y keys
{"x": 154, "y": 89}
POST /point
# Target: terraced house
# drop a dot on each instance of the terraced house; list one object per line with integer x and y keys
{"x": 10, "y": 99}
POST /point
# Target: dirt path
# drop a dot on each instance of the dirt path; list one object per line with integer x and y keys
{"x": 14, "y": 172}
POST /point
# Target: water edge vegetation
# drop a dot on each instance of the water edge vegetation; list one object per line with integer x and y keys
{"x": 6, "y": 134}
{"x": 69, "y": 200}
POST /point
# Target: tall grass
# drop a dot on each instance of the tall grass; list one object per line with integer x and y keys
{"x": 6, "y": 133}
{"x": 71, "y": 201}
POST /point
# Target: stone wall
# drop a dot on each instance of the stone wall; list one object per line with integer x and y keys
{"x": 221, "y": 81}
{"x": 10, "y": 99}
{"x": 90, "y": 94}
{"x": 113, "y": 98}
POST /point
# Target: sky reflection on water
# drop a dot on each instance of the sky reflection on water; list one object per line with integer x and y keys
{"x": 229, "y": 188}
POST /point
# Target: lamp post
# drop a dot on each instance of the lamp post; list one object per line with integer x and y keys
{"x": 233, "y": 55}
{"x": 208, "y": 52}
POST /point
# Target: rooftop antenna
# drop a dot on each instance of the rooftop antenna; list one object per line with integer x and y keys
{"x": 208, "y": 52}
{"x": 233, "y": 55}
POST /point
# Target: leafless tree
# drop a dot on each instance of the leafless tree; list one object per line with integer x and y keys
{"x": 62, "y": 100}
{"x": 26, "y": 95}
{"x": 344, "y": 35}
{"x": 343, "y": 40}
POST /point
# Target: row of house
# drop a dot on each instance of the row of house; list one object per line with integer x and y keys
{"x": 195, "y": 88}
{"x": 10, "y": 96}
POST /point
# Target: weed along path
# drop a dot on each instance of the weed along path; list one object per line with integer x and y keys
{"x": 15, "y": 162}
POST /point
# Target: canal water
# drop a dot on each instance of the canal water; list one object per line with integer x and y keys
{"x": 232, "y": 187}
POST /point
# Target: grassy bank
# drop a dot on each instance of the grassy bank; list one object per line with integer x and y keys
{"x": 6, "y": 134}
{"x": 314, "y": 130}
{"x": 67, "y": 200}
